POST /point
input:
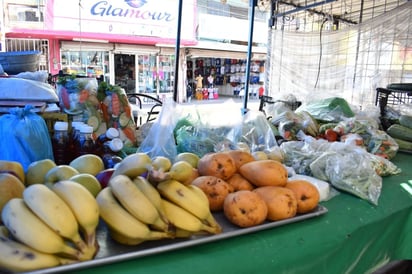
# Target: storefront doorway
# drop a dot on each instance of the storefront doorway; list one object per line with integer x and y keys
{"x": 125, "y": 71}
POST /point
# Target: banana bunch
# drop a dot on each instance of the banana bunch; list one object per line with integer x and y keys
{"x": 48, "y": 227}
{"x": 164, "y": 169}
{"x": 187, "y": 208}
{"x": 151, "y": 198}
{"x": 130, "y": 213}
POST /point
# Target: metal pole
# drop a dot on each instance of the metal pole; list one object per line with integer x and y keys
{"x": 252, "y": 4}
{"x": 177, "y": 50}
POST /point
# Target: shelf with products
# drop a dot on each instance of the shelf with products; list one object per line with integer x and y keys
{"x": 228, "y": 74}
{"x": 84, "y": 63}
{"x": 224, "y": 71}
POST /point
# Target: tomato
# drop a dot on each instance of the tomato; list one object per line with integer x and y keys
{"x": 331, "y": 135}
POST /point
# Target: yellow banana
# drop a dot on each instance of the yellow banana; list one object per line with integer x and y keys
{"x": 211, "y": 221}
{"x": 184, "y": 197}
{"x": 120, "y": 220}
{"x": 124, "y": 240}
{"x": 52, "y": 210}
{"x": 83, "y": 205}
{"x": 183, "y": 219}
{"x": 17, "y": 257}
{"x": 133, "y": 165}
{"x": 26, "y": 227}
{"x": 154, "y": 196}
{"x": 4, "y": 232}
{"x": 161, "y": 163}
{"x": 133, "y": 200}
{"x": 181, "y": 171}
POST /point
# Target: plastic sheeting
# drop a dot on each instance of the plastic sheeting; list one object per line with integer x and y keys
{"x": 349, "y": 62}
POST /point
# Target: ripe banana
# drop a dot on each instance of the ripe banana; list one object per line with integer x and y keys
{"x": 52, "y": 210}
{"x": 154, "y": 196}
{"x": 133, "y": 165}
{"x": 133, "y": 200}
{"x": 186, "y": 198}
{"x": 17, "y": 257}
{"x": 181, "y": 171}
{"x": 26, "y": 227}
{"x": 161, "y": 163}
{"x": 211, "y": 221}
{"x": 183, "y": 219}
{"x": 120, "y": 220}
{"x": 83, "y": 205}
{"x": 124, "y": 240}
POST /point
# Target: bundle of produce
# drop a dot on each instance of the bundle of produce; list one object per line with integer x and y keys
{"x": 402, "y": 132}
{"x": 116, "y": 111}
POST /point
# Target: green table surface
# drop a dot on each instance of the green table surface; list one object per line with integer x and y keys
{"x": 352, "y": 237}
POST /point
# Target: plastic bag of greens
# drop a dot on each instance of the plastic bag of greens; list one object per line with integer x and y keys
{"x": 203, "y": 129}
{"x": 24, "y": 137}
{"x": 350, "y": 169}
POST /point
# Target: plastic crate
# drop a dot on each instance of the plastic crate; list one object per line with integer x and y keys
{"x": 14, "y": 62}
{"x": 391, "y": 97}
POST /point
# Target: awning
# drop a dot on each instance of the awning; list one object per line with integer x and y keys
{"x": 92, "y": 37}
{"x": 206, "y": 49}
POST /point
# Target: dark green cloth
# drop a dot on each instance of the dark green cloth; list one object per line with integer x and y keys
{"x": 353, "y": 237}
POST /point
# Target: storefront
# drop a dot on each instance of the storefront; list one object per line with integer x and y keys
{"x": 136, "y": 68}
{"x": 127, "y": 44}
{"x": 225, "y": 70}
{"x": 134, "y": 46}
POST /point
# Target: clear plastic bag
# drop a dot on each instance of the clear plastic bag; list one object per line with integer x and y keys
{"x": 256, "y": 132}
{"x": 350, "y": 169}
{"x": 24, "y": 137}
{"x": 160, "y": 140}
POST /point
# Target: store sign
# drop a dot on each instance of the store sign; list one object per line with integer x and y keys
{"x": 154, "y": 18}
{"x": 223, "y": 28}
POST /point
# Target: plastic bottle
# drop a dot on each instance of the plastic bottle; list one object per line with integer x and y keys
{"x": 110, "y": 155}
{"x": 110, "y": 134}
{"x": 73, "y": 136}
{"x": 60, "y": 143}
{"x": 85, "y": 144}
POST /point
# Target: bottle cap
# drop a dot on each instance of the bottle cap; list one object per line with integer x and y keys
{"x": 61, "y": 125}
{"x": 76, "y": 124}
{"x": 112, "y": 133}
{"x": 116, "y": 144}
{"x": 86, "y": 129}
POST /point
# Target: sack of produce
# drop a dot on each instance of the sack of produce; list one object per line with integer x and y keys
{"x": 24, "y": 137}
{"x": 206, "y": 130}
{"x": 332, "y": 109}
{"x": 74, "y": 93}
{"x": 116, "y": 112}
{"x": 349, "y": 168}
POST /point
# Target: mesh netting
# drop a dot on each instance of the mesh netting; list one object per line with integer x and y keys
{"x": 350, "y": 62}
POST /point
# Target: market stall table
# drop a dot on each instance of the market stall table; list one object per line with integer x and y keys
{"x": 352, "y": 237}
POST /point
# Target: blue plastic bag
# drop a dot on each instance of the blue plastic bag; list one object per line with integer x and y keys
{"x": 24, "y": 137}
